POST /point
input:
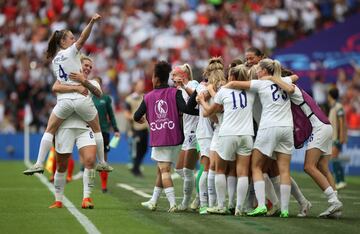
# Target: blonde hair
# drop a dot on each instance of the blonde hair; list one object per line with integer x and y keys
{"x": 273, "y": 67}
{"x": 240, "y": 73}
{"x": 183, "y": 70}
{"x": 84, "y": 57}
{"x": 214, "y": 72}
{"x": 252, "y": 72}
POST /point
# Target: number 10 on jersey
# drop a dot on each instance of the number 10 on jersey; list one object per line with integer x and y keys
{"x": 242, "y": 99}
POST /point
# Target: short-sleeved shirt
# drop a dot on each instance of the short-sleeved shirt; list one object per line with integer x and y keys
{"x": 238, "y": 115}
{"x": 190, "y": 122}
{"x": 65, "y": 62}
{"x": 204, "y": 128}
{"x": 275, "y": 103}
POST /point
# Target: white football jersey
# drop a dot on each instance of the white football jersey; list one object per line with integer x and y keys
{"x": 238, "y": 112}
{"x": 297, "y": 98}
{"x": 190, "y": 121}
{"x": 275, "y": 103}
{"x": 204, "y": 128}
{"x": 65, "y": 62}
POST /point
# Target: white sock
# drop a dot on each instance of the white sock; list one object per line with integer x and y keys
{"x": 241, "y": 190}
{"x": 59, "y": 184}
{"x": 296, "y": 192}
{"x": 170, "y": 194}
{"x": 211, "y": 188}
{"x": 276, "y": 183}
{"x": 250, "y": 197}
{"x": 269, "y": 190}
{"x": 88, "y": 182}
{"x": 99, "y": 146}
{"x": 189, "y": 181}
{"x": 45, "y": 146}
{"x": 180, "y": 172}
{"x": 156, "y": 194}
{"x": 231, "y": 187}
{"x": 203, "y": 189}
{"x": 220, "y": 186}
{"x": 331, "y": 195}
{"x": 259, "y": 187}
{"x": 285, "y": 196}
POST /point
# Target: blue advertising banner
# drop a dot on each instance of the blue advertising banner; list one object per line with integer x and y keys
{"x": 324, "y": 52}
{"x": 12, "y": 148}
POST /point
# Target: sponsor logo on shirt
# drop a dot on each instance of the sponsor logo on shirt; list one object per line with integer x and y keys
{"x": 161, "y": 110}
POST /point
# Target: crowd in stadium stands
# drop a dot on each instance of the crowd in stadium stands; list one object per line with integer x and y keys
{"x": 134, "y": 34}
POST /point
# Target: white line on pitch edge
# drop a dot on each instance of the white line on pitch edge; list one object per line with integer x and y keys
{"x": 83, "y": 220}
{"x": 134, "y": 190}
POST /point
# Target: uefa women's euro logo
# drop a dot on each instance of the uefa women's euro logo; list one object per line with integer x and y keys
{"x": 161, "y": 109}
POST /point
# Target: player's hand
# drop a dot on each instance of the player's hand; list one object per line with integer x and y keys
{"x": 179, "y": 82}
{"x": 79, "y": 77}
{"x": 117, "y": 134}
{"x": 201, "y": 97}
{"x": 96, "y": 17}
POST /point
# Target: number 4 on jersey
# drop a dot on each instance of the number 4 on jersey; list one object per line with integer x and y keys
{"x": 62, "y": 73}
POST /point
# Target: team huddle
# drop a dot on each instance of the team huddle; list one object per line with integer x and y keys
{"x": 241, "y": 121}
{"x": 238, "y": 118}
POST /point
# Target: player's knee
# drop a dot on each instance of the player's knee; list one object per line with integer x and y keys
{"x": 308, "y": 168}
{"x": 61, "y": 167}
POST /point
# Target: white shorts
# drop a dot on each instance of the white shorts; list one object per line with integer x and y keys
{"x": 321, "y": 138}
{"x": 84, "y": 107}
{"x": 189, "y": 142}
{"x": 166, "y": 153}
{"x": 215, "y": 141}
{"x": 235, "y": 145}
{"x": 204, "y": 145}
{"x": 65, "y": 139}
{"x": 275, "y": 139}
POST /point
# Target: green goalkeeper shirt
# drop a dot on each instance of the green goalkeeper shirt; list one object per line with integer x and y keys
{"x": 105, "y": 112}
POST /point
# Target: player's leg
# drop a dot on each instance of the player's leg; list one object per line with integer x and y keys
{"x": 104, "y": 174}
{"x": 334, "y": 204}
{"x": 152, "y": 203}
{"x": 257, "y": 163}
{"x": 231, "y": 181}
{"x": 242, "y": 172}
{"x": 47, "y": 139}
{"x": 87, "y": 150}
{"x": 59, "y": 178}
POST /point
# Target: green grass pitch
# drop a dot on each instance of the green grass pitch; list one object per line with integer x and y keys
{"x": 24, "y": 202}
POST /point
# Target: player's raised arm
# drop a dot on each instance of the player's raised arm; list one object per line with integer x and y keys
{"x": 86, "y": 32}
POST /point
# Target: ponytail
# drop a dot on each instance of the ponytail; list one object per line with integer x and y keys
{"x": 239, "y": 73}
{"x": 214, "y": 72}
{"x": 184, "y": 71}
{"x": 188, "y": 71}
{"x": 277, "y": 69}
{"x": 54, "y": 43}
{"x": 273, "y": 67}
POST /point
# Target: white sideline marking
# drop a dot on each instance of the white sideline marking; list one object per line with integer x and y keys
{"x": 134, "y": 190}
{"x": 83, "y": 220}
